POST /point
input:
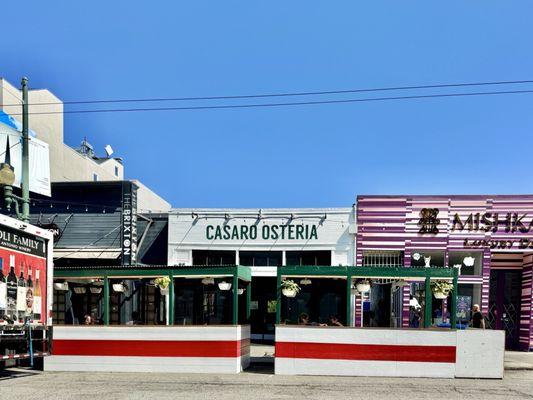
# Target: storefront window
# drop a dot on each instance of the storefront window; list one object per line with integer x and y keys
{"x": 78, "y": 302}
{"x": 260, "y": 258}
{"x": 423, "y": 258}
{"x": 381, "y": 258}
{"x": 471, "y": 262}
{"x": 202, "y": 302}
{"x": 213, "y": 257}
{"x": 467, "y": 296}
{"x": 308, "y": 258}
{"x": 319, "y": 299}
{"x": 136, "y": 302}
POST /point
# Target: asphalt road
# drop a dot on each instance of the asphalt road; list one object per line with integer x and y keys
{"x": 21, "y": 385}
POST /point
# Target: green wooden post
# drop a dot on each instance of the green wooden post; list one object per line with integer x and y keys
{"x": 453, "y": 311}
{"x": 348, "y": 300}
{"x": 235, "y": 286}
{"x": 106, "y": 300}
{"x": 428, "y": 314}
{"x": 278, "y": 298}
{"x": 171, "y": 316}
{"x": 248, "y": 300}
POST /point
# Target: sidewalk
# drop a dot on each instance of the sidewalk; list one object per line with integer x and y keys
{"x": 518, "y": 360}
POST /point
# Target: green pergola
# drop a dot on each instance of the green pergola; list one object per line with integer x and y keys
{"x": 350, "y": 273}
{"x": 235, "y": 272}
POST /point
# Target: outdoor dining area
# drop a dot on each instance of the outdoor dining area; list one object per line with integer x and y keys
{"x": 167, "y": 319}
{"x": 323, "y": 332}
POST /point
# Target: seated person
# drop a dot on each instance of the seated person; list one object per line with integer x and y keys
{"x": 334, "y": 321}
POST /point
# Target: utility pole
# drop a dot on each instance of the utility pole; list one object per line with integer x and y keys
{"x": 7, "y": 173}
{"x": 25, "y": 181}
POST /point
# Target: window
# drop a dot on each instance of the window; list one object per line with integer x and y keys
{"x": 309, "y": 257}
{"x": 116, "y": 170}
{"x": 382, "y": 258}
{"x": 95, "y": 177}
{"x": 467, "y": 296}
{"x": 213, "y": 257}
{"x": 471, "y": 262}
{"x": 136, "y": 302}
{"x": 421, "y": 258}
{"x": 260, "y": 258}
{"x": 81, "y": 298}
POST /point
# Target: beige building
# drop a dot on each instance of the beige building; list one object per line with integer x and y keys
{"x": 68, "y": 164}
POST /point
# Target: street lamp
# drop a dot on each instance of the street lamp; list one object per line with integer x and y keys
{"x": 7, "y": 172}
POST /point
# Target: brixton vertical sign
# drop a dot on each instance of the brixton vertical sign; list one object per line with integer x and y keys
{"x": 129, "y": 223}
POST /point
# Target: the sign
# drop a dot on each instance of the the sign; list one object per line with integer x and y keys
{"x": 129, "y": 224}
{"x": 493, "y": 222}
{"x": 266, "y": 232}
{"x": 464, "y": 305}
{"x": 428, "y": 221}
{"x": 39, "y": 155}
{"x": 19, "y": 241}
{"x": 52, "y": 227}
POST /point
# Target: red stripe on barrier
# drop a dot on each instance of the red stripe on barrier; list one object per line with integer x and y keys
{"x": 366, "y": 352}
{"x": 146, "y": 348}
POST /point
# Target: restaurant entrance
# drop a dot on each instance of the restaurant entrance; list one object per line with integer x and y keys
{"x": 263, "y": 309}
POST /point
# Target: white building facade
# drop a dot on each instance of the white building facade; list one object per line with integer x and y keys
{"x": 262, "y": 239}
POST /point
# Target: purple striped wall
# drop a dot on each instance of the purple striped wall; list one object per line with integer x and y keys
{"x": 526, "y": 319}
{"x": 391, "y": 223}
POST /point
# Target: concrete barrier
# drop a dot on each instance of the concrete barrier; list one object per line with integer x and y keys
{"x": 187, "y": 349}
{"x": 304, "y": 350}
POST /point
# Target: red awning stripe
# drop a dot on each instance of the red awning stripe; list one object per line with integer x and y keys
{"x": 147, "y": 348}
{"x": 366, "y": 352}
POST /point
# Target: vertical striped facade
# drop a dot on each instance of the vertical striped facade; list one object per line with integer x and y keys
{"x": 392, "y": 223}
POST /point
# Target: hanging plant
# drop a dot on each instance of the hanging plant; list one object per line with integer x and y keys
{"x": 289, "y": 288}
{"x": 162, "y": 282}
{"x": 441, "y": 289}
{"x": 363, "y": 285}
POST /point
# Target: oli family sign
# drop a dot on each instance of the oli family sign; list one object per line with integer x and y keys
{"x": 510, "y": 222}
{"x": 265, "y": 232}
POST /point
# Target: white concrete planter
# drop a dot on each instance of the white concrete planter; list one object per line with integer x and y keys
{"x": 224, "y": 285}
{"x": 164, "y": 292}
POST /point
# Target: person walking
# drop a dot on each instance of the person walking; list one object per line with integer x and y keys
{"x": 478, "y": 320}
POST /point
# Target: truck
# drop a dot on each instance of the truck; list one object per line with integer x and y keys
{"x": 26, "y": 279}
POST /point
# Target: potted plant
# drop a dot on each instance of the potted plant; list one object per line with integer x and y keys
{"x": 80, "y": 289}
{"x": 289, "y": 288}
{"x": 95, "y": 290}
{"x": 240, "y": 291}
{"x": 162, "y": 283}
{"x": 363, "y": 285}
{"x": 441, "y": 289}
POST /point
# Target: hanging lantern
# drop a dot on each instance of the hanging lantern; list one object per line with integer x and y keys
{"x": 224, "y": 285}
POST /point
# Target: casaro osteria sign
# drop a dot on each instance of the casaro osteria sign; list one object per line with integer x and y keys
{"x": 265, "y": 232}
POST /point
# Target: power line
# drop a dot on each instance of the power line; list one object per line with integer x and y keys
{"x": 302, "y": 103}
{"x": 282, "y": 94}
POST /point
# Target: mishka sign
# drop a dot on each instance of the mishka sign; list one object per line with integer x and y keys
{"x": 493, "y": 222}
{"x": 266, "y": 232}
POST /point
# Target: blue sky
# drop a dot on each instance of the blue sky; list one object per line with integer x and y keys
{"x": 295, "y": 156}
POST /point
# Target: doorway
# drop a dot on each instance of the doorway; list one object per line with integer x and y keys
{"x": 504, "y": 304}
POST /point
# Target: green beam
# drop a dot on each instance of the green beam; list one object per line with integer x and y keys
{"x": 243, "y": 272}
{"x": 348, "y": 300}
{"x": 428, "y": 303}
{"x": 366, "y": 272}
{"x": 278, "y": 297}
{"x": 106, "y": 300}
{"x": 248, "y": 300}
{"x": 171, "y": 316}
{"x": 235, "y": 305}
{"x": 453, "y": 312}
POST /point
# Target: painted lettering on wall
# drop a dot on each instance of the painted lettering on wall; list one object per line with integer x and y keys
{"x": 522, "y": 244}
{"x": 266, "y": 232}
